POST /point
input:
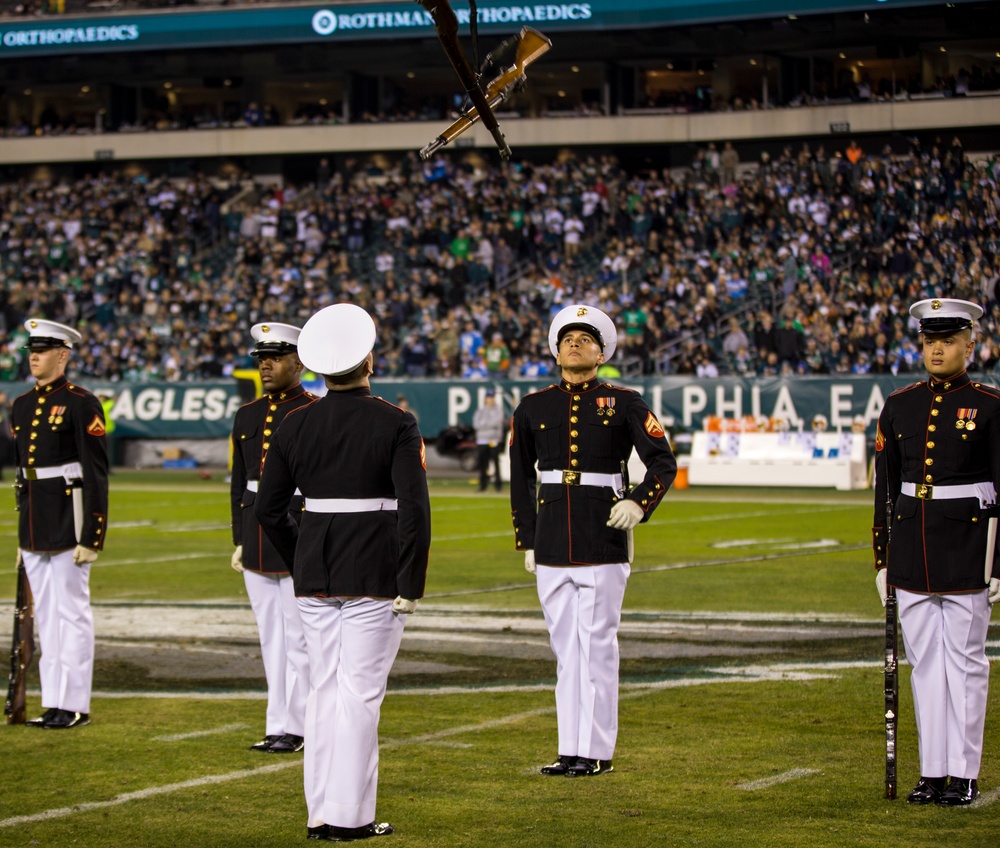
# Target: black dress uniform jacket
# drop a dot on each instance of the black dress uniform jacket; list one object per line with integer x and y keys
{"x": 349, "y": 444}
{"x": 588, "y": 427}
{"x": 55, "y": 425}
{"x": 935, "y": 433}
{"x": 253, "y": 429}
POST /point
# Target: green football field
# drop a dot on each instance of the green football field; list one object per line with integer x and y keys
{"x": 751, "y": 700}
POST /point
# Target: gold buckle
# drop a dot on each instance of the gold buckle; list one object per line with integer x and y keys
{"x": 924, "y": 492}
{"x": 571, "y": 478}
{"x": 30, "y": 474}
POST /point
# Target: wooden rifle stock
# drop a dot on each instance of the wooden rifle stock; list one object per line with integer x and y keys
{"x": 22, "y": 651}
{"x": 530, "y": 45}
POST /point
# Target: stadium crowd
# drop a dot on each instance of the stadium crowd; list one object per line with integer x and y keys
{"x": 800, "y": 263}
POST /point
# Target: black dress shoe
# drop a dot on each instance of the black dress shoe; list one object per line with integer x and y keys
{"x": 321, "y": 831}
{"x": 559, "y": 767}
{"x": 927, "y": 790}
{"x": 48, "y": 715}
{"x": 65, "y": 719}
{"x": 960, "y": 792}
{"x": 586, "y": 767}
{"x": 265, "y": 743}
{"x": 287, "y": 744}
{"x": 350, "y": 834}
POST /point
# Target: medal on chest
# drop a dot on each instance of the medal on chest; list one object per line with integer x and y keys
{"x": 966, "y": 419}
{"x": 606, "y": 406}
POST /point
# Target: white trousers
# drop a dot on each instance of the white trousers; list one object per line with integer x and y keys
{"x": 283, "y": 649}
{"x": 945, "y": 640}
{"x": 352, "y": 644}
{"x": 583, "y": 609}
{"x": 60, "y": 590}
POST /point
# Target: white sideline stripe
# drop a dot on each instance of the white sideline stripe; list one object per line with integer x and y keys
{"x": 987, "y": 798}
{"x": 764, "y": 513}
{"x": 473, "y": 536}
{"x": 743, "y": 543}
{"x": 636, "y": 690}
{"x": 180, "y": 737}
{"x": 767, "y": 782}
{"x": 173, "y": 558}
{"x": 143, "y": 794}
{"x": 808, "y": 550}
{"x": 195, "y": 528}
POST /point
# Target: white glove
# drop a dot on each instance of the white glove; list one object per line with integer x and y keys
{"x": 881, "y": 578}
{"x": 994, "y": 591}
{"x": 402, "y": 606}
{"x": 237, "y": 561}
{"x": 18, "y": 560}
{"x": 625, "y": 514}
{"x": 529, "y": 561}
{"x": 82, "y": 555}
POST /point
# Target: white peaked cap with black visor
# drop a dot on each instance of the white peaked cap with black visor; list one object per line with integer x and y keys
{"x": 579, "y": 316}
{"x": 945, "y": 315}
{"x": 274, "y": 338}
{"x": 44, "y": 334}
{"x": 337, "y": 339}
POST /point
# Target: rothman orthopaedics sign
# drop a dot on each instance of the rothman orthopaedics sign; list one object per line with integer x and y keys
{"x": 241, "y": 26}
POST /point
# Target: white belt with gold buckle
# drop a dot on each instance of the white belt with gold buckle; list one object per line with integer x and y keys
{"x": 70, "y": 471}
{"x": 983, "y": 491}
{"x": 581, "y": 478}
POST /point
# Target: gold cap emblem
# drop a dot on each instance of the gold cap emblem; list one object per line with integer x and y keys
{"x": 34, "y": 324}
{"x": 935, "y": 304}
{"x": 581, "y": 311}
{"x": 265, "y": 329}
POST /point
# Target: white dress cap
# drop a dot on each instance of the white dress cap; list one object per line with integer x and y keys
{"x": 43, "y": 334}
{"x": 337, "y": 339}
{"x": 589, "y": 318}
{"x": 945, "y": 315}
{"x": 274, "y": 338}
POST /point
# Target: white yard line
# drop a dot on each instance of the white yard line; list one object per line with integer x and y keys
{"x": 987, "y": 798}
{"x": 143, "y": 794}
{"x": 197, "y": 734}
{"x": 633, "y": 691}
{"x": 464, "y": 538}
{"x": 101, "y": 563}
{"x": 767, "y": 782}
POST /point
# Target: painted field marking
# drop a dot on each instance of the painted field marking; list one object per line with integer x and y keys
{"x": 103, "y": 563}
{"x": 785, "y": 777}
{"x": 987, "y": 798}
{"x": 203, "y": 489}
{"x": 746, "y": 560}
{"x": 196, "y": 734}
{"x": 194, "y": 528}
{"x": 638, "y": 690}
{"x": 464, "y": 538}
{"x": 776, "y": 544}
{"x": 143, "y": 794}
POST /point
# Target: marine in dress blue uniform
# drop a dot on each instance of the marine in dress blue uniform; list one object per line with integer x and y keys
{"x": 358, "y": 559}
{"x": 575, "y": 528}
{"x": 265, "y": 574}
{"x": 937, "y": 472}
{"x": 62, "y": 496}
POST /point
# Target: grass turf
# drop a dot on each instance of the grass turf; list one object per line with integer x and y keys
{"x": 698, "y": 742}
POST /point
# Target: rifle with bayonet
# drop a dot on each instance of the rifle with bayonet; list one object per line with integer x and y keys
{"x": 529, "y": 44}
